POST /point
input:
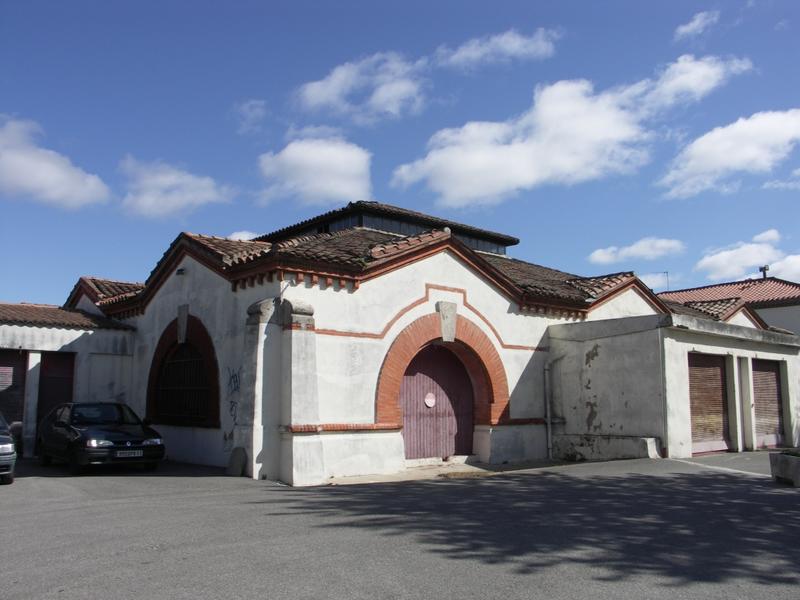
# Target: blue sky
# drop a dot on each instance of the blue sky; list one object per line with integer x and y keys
{"x": 655, "y": 137}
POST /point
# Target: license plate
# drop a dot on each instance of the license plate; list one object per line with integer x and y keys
{"x": 129, "y": 453}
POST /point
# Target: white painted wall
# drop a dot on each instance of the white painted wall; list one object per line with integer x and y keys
{"x": 742, "y": 320}
{"x": 87, "y": 305}
{"x": 627, "y": 304}
{"x": 677, "y": 345}
{"x": 785, "y": 317}
{"x": 102, "y": 364}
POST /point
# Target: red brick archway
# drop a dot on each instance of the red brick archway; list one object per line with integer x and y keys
{"x": 472, "y": 347}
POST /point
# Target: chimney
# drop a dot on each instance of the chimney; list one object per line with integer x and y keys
{"x": 764, "y": 270}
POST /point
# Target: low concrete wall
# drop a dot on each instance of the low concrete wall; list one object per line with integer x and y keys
{"x": 498, "y": 444}
{"x": 604, "y": 447}
{"x": 313, "y": 459}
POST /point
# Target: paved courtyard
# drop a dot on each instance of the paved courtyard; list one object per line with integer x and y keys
{"x": 713, "y": 527}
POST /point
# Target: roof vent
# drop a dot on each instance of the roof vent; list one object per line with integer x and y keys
{"x": 764, "y": 270}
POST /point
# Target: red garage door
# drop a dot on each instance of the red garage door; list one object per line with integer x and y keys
{"x": 55, "y": 381}
{"x": 708, "y": 398}
{"x": 768, "y": 402}
{"x": 13, "y": 366}
{"x": 436, "y": 397}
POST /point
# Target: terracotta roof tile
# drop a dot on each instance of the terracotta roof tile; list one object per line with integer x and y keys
{"x": 756, "y": 292}
{"x": 110, "y": 288}
{"x": 536, "y": 280}
{"x": 231, "y": 252}
{"x": 47, "y": 315}
{"x": 598, "y": 286}
{"x": 718, "y": 309}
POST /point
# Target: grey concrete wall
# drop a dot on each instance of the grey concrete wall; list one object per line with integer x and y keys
{"x": 785, "y": 317}
{"x": 609, "y": 384}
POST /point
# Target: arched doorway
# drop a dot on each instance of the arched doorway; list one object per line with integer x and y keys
{"x": 436, "y": 397}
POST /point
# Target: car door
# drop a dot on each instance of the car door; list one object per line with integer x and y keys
{"x": 61, "y": 433}
{"x": 45, "y": 431}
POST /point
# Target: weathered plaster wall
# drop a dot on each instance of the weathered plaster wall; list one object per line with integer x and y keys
{"x": 606, "y": 380}
{"x": 785, "y": 317}
{"x": 87, "y": 305}
{"x": 224, "y": 315}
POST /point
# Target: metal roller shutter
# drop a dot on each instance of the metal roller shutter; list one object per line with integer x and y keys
{"x": 708, "y": 398}
{"x": 767, "y": 400}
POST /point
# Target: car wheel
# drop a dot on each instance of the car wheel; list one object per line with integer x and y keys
{"x": 151, "y": 466}
{"x": 8, "y": 479}
{"x": 75, "y": 467}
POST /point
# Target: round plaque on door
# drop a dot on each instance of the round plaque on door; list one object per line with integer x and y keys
{"x": 430, "y": 400}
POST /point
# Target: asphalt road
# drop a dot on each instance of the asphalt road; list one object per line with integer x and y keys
{"x": 715, "y": 528}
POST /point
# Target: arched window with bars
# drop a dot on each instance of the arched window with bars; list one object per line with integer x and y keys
{"x": 183, "y": 388}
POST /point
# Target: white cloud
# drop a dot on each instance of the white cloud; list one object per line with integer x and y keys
{"x": 30, "y": 171}
{"x": 690, "y": 79}
{"x": 498, "y": 48}
{"x": 786, "y": 268}
{"x": 736, "y": 261}
{"x": 156, "y": 189}
{"x": 648, "y": 248}
{"x": 243, "y": 235}
{"x": 655, "y": 281}
{"x": 379, "y": 86}
{"x": 770, "y": 236}
{"x": 755, "y": 144}
{"x": 570, "y": 134}
{"x": 318, "y": 171}
{"x": 701, "y": 22}
{"x": 793, "y": 183}
{"x": 250, "y": 115}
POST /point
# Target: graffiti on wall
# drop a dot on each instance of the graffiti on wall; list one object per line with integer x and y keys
{"x": 234, "y": 386}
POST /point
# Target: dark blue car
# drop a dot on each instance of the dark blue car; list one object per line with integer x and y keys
{"x": 98, "y": 433}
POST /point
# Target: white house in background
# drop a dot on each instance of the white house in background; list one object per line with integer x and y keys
{"x": 372, "y": 337}
{"x": 776, "y": 301}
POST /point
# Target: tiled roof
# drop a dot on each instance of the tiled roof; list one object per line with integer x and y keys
{"x": 682, "y": 309}
{"x": 537, "y": 280}
{"x": 756, "y": 292}
{"x": 231, "y": 252}
{"x": 719, "y": 309}
{"x": 596, "y": 287}
{"x": 110, "y": 288}
{"x": 47, "y": 315}
{"x": 387, "y": 210}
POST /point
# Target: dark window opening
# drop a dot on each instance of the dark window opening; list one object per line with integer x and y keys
{"x": 184, "y": 386}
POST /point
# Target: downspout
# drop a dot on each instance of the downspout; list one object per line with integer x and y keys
{"x": 547, "y": 419}
{"x": 548, "y": 401}
{"x": 662, "y": 360}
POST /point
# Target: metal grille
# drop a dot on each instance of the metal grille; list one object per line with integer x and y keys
{"x": 13, "y": 367}
{"x": 443, "y": 426}
{"x": 183, "y": 388}
{"x": 768, "y": 402}
{"x": 709, "y": 402}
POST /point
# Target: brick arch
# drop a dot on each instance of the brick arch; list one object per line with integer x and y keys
{"x": 472, "y": 347}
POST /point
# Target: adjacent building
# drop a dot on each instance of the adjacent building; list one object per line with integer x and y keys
{"x": 371, "y": 338}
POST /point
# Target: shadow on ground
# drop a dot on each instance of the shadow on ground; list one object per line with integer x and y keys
{"x": 685, "y": 528}
{"x": 29, "y": 467}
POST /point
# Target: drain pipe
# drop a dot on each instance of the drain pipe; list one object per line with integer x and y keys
{"x": 547, "y": 419}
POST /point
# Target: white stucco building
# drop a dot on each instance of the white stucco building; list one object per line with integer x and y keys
{"x": 371, "y": 338}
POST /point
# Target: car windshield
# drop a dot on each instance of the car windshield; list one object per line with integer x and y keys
{"x": 103, "y": 414}
{"x": 3, "y": 424}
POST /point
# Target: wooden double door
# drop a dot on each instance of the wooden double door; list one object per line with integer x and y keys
{"x": 437, "y": 401}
